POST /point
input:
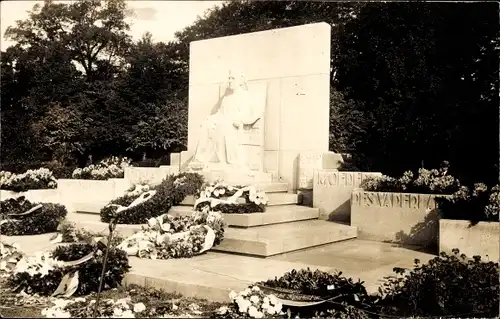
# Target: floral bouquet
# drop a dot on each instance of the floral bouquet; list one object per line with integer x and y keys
{"x": 41, "y": 178}
{"x": 113, "y": 167}
{"x": 9, "y": 257}
{"x": 252, "y": 302}
{"x": 231, "y": 199}
{"x": 168, "y": 236}
{"x": 121, "y": 308}
{"x": 137, "y": 190}
{"x": 67, "y": 270}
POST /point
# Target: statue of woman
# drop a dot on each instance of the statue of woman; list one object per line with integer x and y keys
{"x": 220, "y": 132}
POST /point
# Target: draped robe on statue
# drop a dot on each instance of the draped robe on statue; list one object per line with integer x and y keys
{"x": 221, "y": 132}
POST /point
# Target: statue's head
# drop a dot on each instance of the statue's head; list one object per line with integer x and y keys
{"x": 236, "y": 80}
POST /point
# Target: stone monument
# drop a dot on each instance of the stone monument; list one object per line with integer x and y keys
{"x": 253, "y": 125}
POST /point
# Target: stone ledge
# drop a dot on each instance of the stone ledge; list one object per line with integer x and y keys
{"x": 210, "y": 276}
{"x": 482, "y": 239}
{"x": 272, "y": 215}
{"x": 277, "y": 239}
{"x": 275, "y": 199}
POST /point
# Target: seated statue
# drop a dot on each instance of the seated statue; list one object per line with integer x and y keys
{"x": 221, "y": 132}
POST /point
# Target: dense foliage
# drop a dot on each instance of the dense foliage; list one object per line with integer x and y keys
{"x": 170, "y": 192}
{"x": 42, "y": 273}
{"x": 40, "y": 221}
{"x": 424, "y": 95}
{"x": 476, "y": 204}
{"x": 308, "y": 285}
{"x": 41, "y": 178}
{"x": 448, "y": 285}
{"x": 434, "y": 181}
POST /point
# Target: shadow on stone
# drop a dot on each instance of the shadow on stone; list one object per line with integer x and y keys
{"x": 341, "y": 214}
{"x": 305, "y": 197}
{"x": 423, "y": 236}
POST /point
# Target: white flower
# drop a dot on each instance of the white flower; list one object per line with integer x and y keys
{"x": 128, "y": 314}
{"x": 139, "y": 307}
{"x": 273, "y": 300}
{"x": 254, "y": 313}
{"x": 243, "y": 305}
{"x": 277, "y": 307}
{"x": 222, "y": 310}
{"x": 246, "y": 292}
{"x": 255, "y": 299}
{"x": 232, "y": 295}
{"x": 270, "y": 310}
{"x": 117, "y": 312}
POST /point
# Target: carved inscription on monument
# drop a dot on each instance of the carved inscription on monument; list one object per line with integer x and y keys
{"x": 351, "y": 179}
{"x": 394, "y": 200}
{"x": 307, "y": 164}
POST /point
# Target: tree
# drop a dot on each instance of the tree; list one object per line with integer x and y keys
{"x": 92, "y": 32}
{"x": 424, "y": 75}
{"x": 428, "y": 79}
{"x": 165, "y": 130}
{"x": 67, "y": 55}
{"x": 59, "y": 133}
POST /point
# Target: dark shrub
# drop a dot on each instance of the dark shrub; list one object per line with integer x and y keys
{"x": 449, "y": 285}
{"x": 476, "y": 204}
{"x": 171, "y": 191}
{"x": 349, "y": 297}
{"x": 88, "y": 272}
{"x": 41, "y": 221}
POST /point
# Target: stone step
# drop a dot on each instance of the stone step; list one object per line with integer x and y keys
{"x": 275, "y": 199}
{"x": 274, "y": 187}
{"x": 210, "y": 276}
{"x": 277, "y": 239}
{"x": 92, "y": 222}
{"x": 272, "y": 215}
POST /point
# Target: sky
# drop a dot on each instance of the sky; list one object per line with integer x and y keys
{"x": 161, "y": 18}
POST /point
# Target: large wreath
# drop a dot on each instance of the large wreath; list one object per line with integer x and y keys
{"x": 168, "y": 236}
{"x": 231, "y": 199}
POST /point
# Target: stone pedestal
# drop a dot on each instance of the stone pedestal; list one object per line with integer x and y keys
{"x": 230, "y": 175}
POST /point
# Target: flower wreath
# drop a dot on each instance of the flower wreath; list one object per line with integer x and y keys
{"x": 231, "y": 199}
{"x": 25, "y": 270}
{"x": 168, "y": 236}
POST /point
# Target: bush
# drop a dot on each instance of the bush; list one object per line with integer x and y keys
{"x": 147, "y": 163}
{"x": 449, "y": 285}
{"x": 307, "y": 285}
{"x": 435, "y": 181}
{"x": 476, "y": 204}
{"x": 113, "y": 167}
{"x": 88, "y": 272}
{"x": 41, "y": 221}
{"x": 70, "y": 234}
{"x": 41, "y": 178}
{"x": 171, "y": 191}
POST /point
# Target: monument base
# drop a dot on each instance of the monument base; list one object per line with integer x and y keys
{"x": 214, "y": 172}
